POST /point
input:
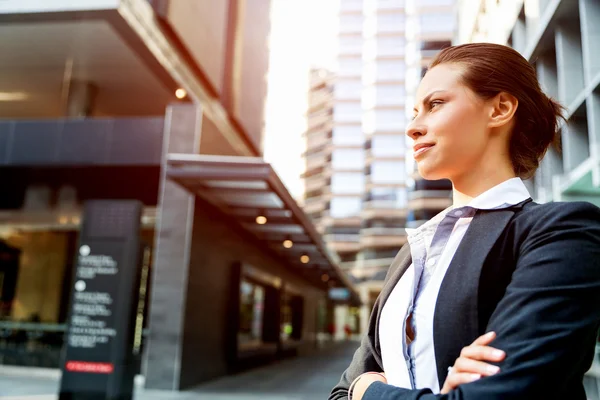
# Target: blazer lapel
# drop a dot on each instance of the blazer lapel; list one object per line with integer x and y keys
{"x": 395, "y": 272}
{"x": 397, "y": 269}
{"x": 455, "y": 322}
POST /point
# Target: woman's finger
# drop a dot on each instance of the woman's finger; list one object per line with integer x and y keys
{"x": 456, "y": 379}
{"x": 486, "y": 339}
{"x": 467, "y": 365}
{"x": 482, "y": 353}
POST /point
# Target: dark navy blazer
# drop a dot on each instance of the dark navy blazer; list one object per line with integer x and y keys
{"x": 531, "y": 273}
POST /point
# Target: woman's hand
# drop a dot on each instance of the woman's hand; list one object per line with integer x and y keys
{"x": 470, "y": 366}
{"x": 363, "y": 383}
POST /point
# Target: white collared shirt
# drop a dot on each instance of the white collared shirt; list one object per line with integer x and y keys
{"x": 413, "y": 366}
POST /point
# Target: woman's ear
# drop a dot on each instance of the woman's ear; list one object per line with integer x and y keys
{"x": 504, "y": 106}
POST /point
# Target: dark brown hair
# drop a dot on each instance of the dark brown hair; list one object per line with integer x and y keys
{"x": 490, "y": 69}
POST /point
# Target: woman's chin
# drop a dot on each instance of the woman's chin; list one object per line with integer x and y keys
{"x": 429, "y": 173}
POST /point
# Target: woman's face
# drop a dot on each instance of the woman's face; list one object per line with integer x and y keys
{"x": 450, "y": 125}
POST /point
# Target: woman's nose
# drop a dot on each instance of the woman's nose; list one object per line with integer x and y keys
{"x": 414, "y": 130}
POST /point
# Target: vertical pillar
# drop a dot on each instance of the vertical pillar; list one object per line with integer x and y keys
{"x": 173, "y": 237}
{"x": 80, "y": 101}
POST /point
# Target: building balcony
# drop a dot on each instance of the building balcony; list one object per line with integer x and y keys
{"x": 382, "y": 231}
{"x": 316, "y": 140}
{"x": 320, "y": 118}
{"x": 385, "y": 6}
{"x": 378, "y": 241}
{"x": 315, "y": 162}
{"x": 315, "y": 182}
{"x": 351, "y": 6}
{"x": 382, "y": 209}
{"x": 314, "y": 205}
{"x": 318, "y": 100}
{"x": 430, "y": 194}
{"x": 426, "y": 203}
{"x": 342, "y": 243}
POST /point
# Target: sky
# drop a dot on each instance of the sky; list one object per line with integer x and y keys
{"x": 303, "y": 34}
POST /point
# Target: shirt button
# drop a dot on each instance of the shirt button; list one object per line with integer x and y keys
{"x": 431, "y": 262}
{"x": 458, "y": 213}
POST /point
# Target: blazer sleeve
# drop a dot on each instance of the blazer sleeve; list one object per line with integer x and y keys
{"x": 366, "y": 357}
{"x": 547, "y": 321}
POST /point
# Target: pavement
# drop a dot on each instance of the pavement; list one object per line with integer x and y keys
{"x": 300, "y": 378}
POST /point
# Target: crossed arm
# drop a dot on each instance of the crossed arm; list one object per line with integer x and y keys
{"x": 547, "y": 321}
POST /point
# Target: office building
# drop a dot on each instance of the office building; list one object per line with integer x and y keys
{"x": 161, "y": 102}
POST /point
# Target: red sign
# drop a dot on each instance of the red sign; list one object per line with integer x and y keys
{"x": 91, "y": 367}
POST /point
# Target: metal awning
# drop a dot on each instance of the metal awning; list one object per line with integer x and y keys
{"x": 246, "y": 188}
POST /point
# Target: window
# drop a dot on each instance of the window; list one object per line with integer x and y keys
{"x": 252, "y": 299}
{"x": 383, "y": 95}
{"x": 396, "y": 197}
{"x": 388, "y": 145}
{"x": 347, "y": 112}
{"x": 384, "y": 120}
{"x": 350, "y": 67}
{"x": 347, "y": 182}
{"x": 348, "y": 158}
{"x": 351, "y": 23}
{"x": 390, "y": 69}
{"x": 342, "y": 207}
{"x": 390, "y": 46}
{"x": 388, "y": 172}
{"x": 348, "y": 89}
{"x": 390, "y": 22}
{"x": 437, "y": 22}
{"x": 350, "y": 44}
{"x": 347, "y": 135}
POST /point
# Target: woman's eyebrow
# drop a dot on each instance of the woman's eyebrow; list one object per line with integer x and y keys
{"x": 428, "y": 97}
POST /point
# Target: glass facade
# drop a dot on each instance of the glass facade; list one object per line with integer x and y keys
{"x": 383, "y": 95}
{"x": 347, "y": 112}
{"x": 388, "y": 172}
{"x": 348, "y": 135}
{"x": 342, "y": 207}
{"x": 384, "y": 120}
{"x": 347, "y": 183}
{"x": 388, "y": 146}
{"x": 348, "y": 158}
{"x": 252, "y": 303}
{"x": 36, "y": 275}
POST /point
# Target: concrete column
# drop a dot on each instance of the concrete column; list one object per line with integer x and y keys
{"x": 80, "y": 101}
{"x": 163, "y": 358}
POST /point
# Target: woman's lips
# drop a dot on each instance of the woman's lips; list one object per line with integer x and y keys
{"x": 421, "y": 150}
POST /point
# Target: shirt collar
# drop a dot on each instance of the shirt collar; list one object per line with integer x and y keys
{"x": 508, "y": 193}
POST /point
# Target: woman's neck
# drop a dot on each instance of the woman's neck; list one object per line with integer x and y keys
{"x": 478, "y": 181}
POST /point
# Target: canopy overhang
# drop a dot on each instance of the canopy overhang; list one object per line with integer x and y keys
{"x": 245, "y": 188}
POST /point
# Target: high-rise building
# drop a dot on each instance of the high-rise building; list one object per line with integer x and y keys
{"x": 160, "y": 102}
{"x": 363, "y": 206}
{"x": 433, "y": 24}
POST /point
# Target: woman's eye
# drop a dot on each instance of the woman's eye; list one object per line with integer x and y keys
{"x": 434, "y": 103}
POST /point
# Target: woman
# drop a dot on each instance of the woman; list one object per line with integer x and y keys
{"x": 495, "y": 262}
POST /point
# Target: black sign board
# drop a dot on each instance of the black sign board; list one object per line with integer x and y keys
{"x": 98, "y": 360}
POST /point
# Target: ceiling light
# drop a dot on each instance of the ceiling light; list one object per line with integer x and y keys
{"x": 63, "y": 220}
{"x": 288, "y": 244}
{"x": 261, "y": 220}
{"x": 13, "y": 96}
{"x": 180, "y": 93}
{"x": 304, "y": 259}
